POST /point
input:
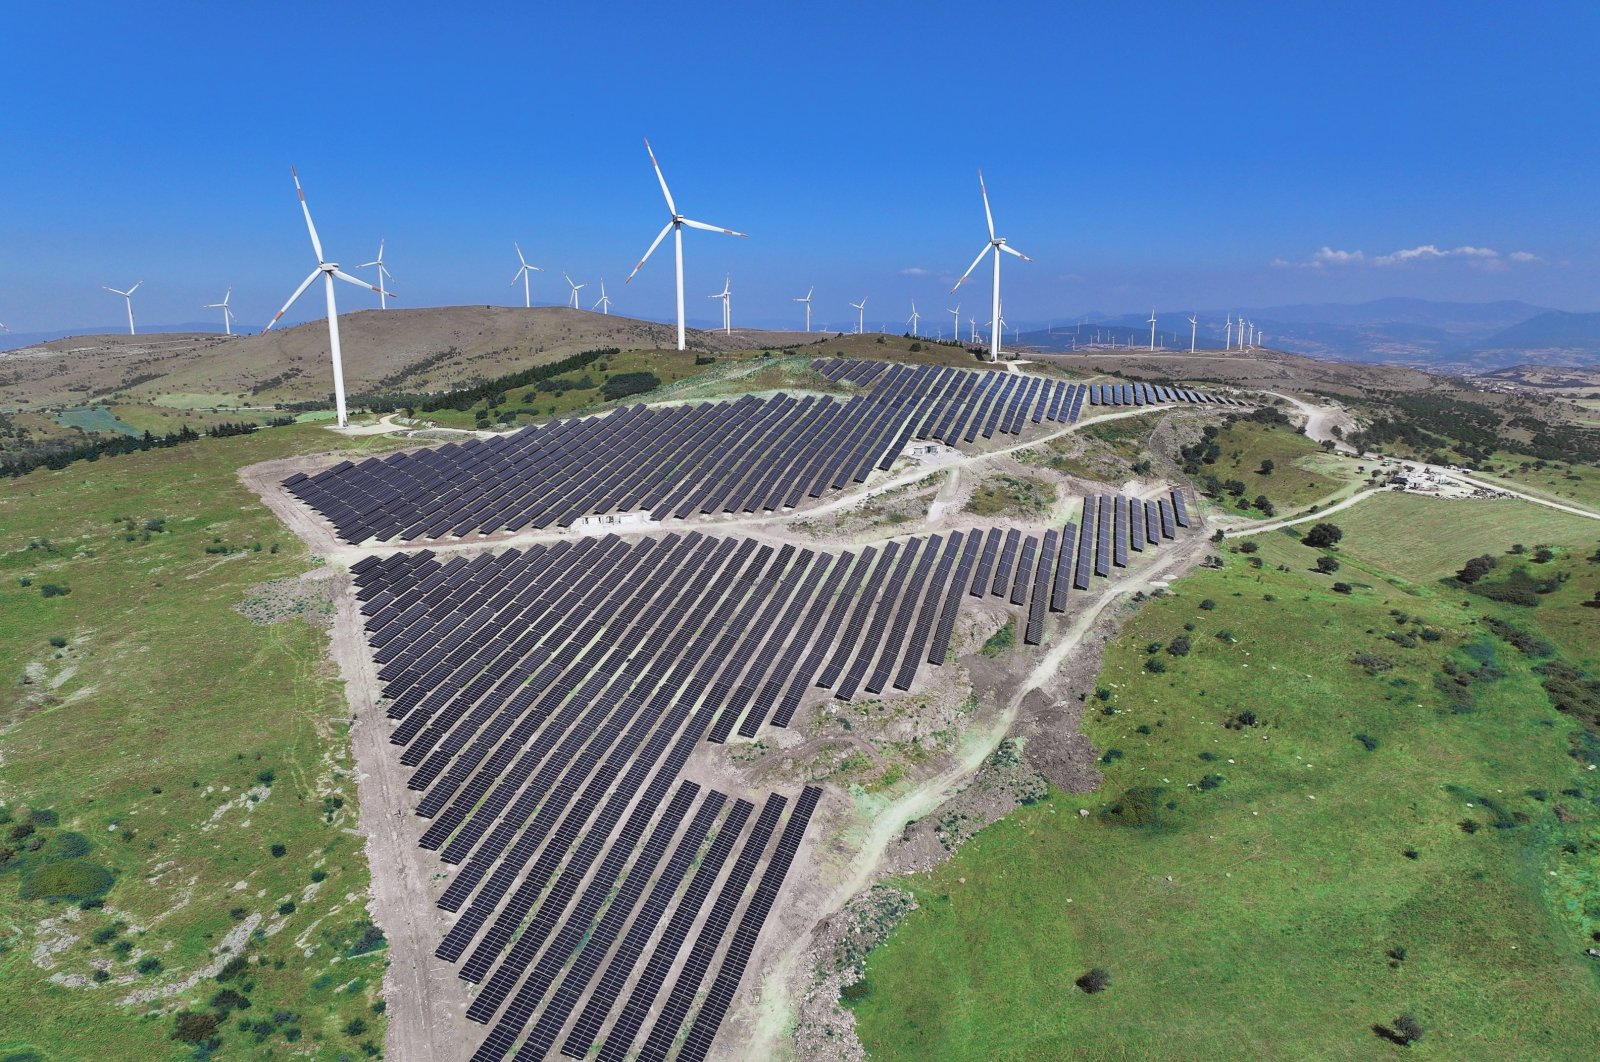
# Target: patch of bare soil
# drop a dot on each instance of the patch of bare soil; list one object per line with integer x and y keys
{"x": 825, "y": 1031}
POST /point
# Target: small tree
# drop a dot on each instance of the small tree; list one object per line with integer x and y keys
{"x": 1476, "y": 568}
{"x": 1267, "y": 466}
{"x": 1096, "y": 980}
{"x": 1327, "y": 565}
{"x": 1322, "y": 536}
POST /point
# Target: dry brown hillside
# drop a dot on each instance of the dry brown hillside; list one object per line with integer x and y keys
{"x": 415, "y": 350}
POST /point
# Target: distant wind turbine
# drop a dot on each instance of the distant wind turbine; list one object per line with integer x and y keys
{"x": 914, "y": 318}
{"x": 523, "y": 274}
{"x": 807, "y": 301}
{"x": 383, "y": 274}
{"x": 227, "y": 313}
{"x": 1227, "y": 335}
{"x": 725, "y": 294}
{"x": 1152, "y": 329}
{"x": 602, "y": 303}
{"x": 1192, "y": 326}
{"x": 575, "y": 289}
{"x": 955, "y": 331}
{"x": 675, "y": 225}
{"x": 861, "y": 314}
{"x": 973, "y": 321}
{"x": 996, "y": 244}
{"x": 128, "y": 295}
{"x": 328, "y": 271}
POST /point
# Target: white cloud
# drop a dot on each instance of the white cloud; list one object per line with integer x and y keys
{"x": 1328, "y": 256}
{"x": 1486, "y": 258}
{"x": 916, "y": 271}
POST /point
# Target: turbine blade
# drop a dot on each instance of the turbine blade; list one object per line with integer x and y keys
{"x": 301, "y": 290}
{"x": 347, "y": 278}
{"x": 316, "y": 244}
{"x": 1008, "y": 249}
{"x": 973, "y": 266}
{"x": 659, "y": 237}
{"x": 665, "y": 191}
{"x": 517, "y": 277}
{"x": 713, "y": 228}
{"x": 987, "y": 215}
{"x": 134, "y": 288}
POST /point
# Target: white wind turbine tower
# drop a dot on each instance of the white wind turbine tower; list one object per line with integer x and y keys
{"x": 995, "y": 244}
{"x": 1152, "y": 323}
{"x": 227, "y": 313}
{"x": 602, "y": 303}
{"x": 973, "y": 322}
{"x": 1193, "y": 324}
{"x": 128, "y": 295}
{"x": 328, "y": 271}
{"x": 725, "y": 294}
{"x": 523, "y": 274}
{"x": 914, "y": 318}
{"x": 807, "y": 301}
{"x": 575, "y": 289}
{"x": 861, "y": 313}
{"x": 1227, "y": 335}
{"x": 955, "y": 330}
{"x": 384, "y": 274}
{"x": 675, "y": 225}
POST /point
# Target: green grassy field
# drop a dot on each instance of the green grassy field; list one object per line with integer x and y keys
{"x": 1302, "y": 473}
{"x": 1275, "y": 885}
{"x": 95, "y": 419}
{"x": 1575, "y": 482}
{"x": 181, "y": 742}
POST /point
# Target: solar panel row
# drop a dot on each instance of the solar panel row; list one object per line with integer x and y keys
{"x": 549, "y": 698}
{"x": 741, "y": 456}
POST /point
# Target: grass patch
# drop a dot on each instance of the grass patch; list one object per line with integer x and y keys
{"x": 1001, "y": 641}
{"x": 148, "y": 738}
{"x": 1008, "y": 495}
{"x": 1289, "y": 863}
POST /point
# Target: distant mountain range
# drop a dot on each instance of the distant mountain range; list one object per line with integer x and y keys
{"x": 1442, "y": 336}
{"x": 1454, "y": 337}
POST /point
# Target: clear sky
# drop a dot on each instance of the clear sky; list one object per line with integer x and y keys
{"x": 1180, "y": 155}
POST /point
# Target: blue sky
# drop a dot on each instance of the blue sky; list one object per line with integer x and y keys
{"x": 1177, "y": 155}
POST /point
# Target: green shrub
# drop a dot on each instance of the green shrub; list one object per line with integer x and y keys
{"x": 58, "y": 642}
{"x": 625, "y": 384}
{"x": 1096, "y": 980}
{"x": 67, "y": 879}
{"x": 195, "y": 1028}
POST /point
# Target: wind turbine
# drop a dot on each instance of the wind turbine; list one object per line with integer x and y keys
{"x": 602, "y": 302}
{"x": 129, "y": 296}
{"x": 973, "y": 321}
{"x": 575, "y": 289}
{"x": 227, "y": 314}
{"x": 955, "y": 331}
{"x": 675, "y": 224}
{"x": 328, "y": 271}
{"x": 1192, "y": 326}
{"x": 914, "y": 318}
{"x": 807, "y": 301}
{"x": 1152, "y": 323}
{"x": 861, "y": 313}
{"x": 523, "y": 274}
{"x": 383, "y": 272}
{"x": 1227, "y": 335}
{"x": 995, "y": 244}
{"x": 724, "y": 294}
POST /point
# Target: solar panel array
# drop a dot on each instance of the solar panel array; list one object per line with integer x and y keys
{"x": 676, "y": 462}
{"x": 547, "y": 700}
